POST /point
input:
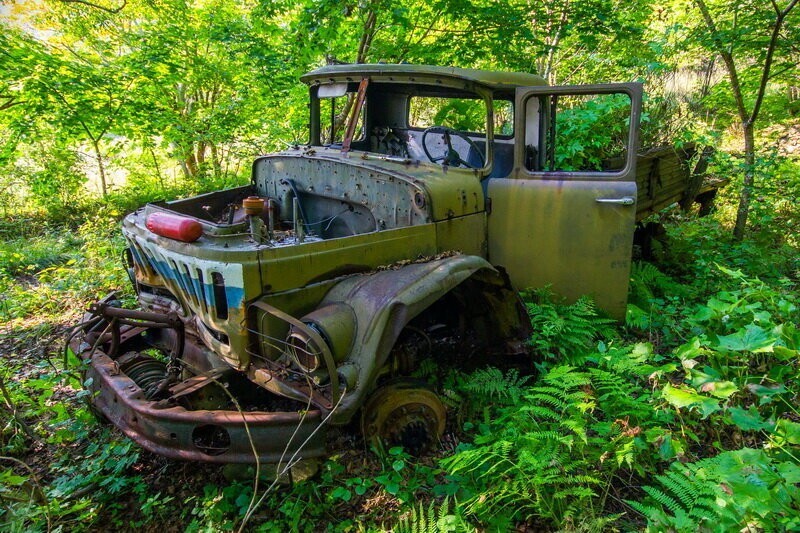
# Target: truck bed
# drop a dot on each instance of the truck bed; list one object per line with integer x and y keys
{"x": 664, "y": 176}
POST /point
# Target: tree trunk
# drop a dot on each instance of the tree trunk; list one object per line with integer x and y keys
{"x": 747, "y": 184}
{"x": 157, "y": 167}
{"x": 189, "y": 163}
{"x": 216, "y": 160}
{"x": 100, "y": 166}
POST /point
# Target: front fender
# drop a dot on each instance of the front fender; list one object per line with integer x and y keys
{"x": 384, "y": 302}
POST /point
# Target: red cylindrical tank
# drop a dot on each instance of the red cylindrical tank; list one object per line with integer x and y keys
{"x": 174, "y": 227}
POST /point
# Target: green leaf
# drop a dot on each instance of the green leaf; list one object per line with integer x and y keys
{"x": 689, "y": 350}
{"x": 789, "y": 430}
{"x": 789, "y": 471}
{"x": 683, "y": 397}
{"x": 749, "y": 420}
{"x": 765, "y": 394}
{"x": 341, "y": 493}
{"x": 398, "y": 465}
{"x": 752, "y": 339}
{"x": 783, "y": 353}
{"x": 719, "y": 389}
{"x": 243, "y": 500}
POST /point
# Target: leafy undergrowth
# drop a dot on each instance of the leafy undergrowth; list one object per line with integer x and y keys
{"x": 685, "y": 418}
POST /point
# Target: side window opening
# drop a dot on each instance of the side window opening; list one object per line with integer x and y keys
{"x": 577, "y": 133}
{"x": 336, "y": 103}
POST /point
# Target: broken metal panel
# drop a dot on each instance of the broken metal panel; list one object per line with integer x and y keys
{"x": 383, "y": 303}
{"x": 396, "y": 194}
{"x": 170, "y": 426}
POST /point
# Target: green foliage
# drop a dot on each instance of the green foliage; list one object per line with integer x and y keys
{"x": 564, "y": 332}
{"x": 592, "y": 131}
{"x": 61, "y": 268}
{"x": 721, "y": 493}
{"x": 549, "y": 454}
{"x": 434, "y": 519}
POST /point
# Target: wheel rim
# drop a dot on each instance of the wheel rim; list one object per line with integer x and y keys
{"x": 404, "y": 413}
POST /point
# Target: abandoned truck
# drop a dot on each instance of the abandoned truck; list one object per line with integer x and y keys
{"x": 424, "y": 199}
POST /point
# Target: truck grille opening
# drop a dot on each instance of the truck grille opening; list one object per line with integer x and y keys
{"x": 220, "y": 300}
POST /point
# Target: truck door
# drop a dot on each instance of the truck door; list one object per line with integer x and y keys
{"x": 565, "y": 216}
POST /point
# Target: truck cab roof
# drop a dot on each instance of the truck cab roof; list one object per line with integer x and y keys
{"x": 421, "y": 74}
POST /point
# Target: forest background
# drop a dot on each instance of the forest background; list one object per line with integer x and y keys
{"x": 684, "y": 417}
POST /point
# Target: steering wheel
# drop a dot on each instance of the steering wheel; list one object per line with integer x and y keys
{"x": 451, "y": 157}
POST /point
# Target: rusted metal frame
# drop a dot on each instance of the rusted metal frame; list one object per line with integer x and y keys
{"x": 139, "y": 319}
{"x": 327, "y": 356}
{"x": 550, "y": 158}
{"x": 169, "y": 431}
{"x": 353, "y": 120}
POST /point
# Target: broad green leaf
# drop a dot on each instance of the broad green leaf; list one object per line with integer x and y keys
{"x": 720, "y": 389}
{"x": 683, "y": 397}
{"x": 765, "y": 394}
{"x": 782, "y": 353}
{"x": 749, "y": 420}
{"x": 341, "y": 493}
{"x": 789, "y": 471}
{"x": 752, "y": 339}
{"x": 689, "y": 350}
{"x": 788, "y": 430}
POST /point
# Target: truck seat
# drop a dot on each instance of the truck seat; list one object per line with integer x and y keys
{"x": 503, "y": 159}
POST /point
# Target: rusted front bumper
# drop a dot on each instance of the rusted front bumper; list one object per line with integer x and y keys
{"x": 217, "y": 436}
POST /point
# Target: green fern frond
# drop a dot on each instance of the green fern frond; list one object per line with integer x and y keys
{"x": 433, "y": 519}
{"x": 491, "y": 384}
{"x": 667, "y": 501}
{"x": 562, "y": 331}
{"x": 726, "y": 492}
{"x": 540, "y": 412}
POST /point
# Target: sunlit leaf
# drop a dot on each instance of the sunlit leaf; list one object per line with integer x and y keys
{"x": 684, "y": 397}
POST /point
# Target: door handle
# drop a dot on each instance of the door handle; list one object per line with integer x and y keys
{"x": 625, "y": 200}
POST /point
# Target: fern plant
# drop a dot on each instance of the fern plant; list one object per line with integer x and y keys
{"x": 737, "y": 489}
{"x": 490, "y": 384}
{"x": 564, "y": 332}
{"x": 649, "y": 283}
{"x": 433, "y": 519}
{"x": 543, "y": 455}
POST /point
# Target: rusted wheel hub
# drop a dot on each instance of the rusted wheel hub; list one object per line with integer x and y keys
{"x": 404, "y": 413}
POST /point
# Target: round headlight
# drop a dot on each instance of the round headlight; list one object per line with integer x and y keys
{"x": 303, "y": 350}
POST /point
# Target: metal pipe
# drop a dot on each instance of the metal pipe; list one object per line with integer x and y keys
{"x": 271, "y": 217}
{"x": 298, "y": 223}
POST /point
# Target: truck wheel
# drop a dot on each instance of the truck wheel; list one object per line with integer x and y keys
{"x": 403, "y": 412}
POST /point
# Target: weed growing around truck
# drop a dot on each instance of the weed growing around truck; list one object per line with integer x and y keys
{"x": 684, "y": 418}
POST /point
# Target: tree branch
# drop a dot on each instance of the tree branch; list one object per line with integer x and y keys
{"x": 10, "y": 101}
{"x": 727, "y": 57}
{"x": 773, "y": 42}
{"x": 112, "y": 10}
